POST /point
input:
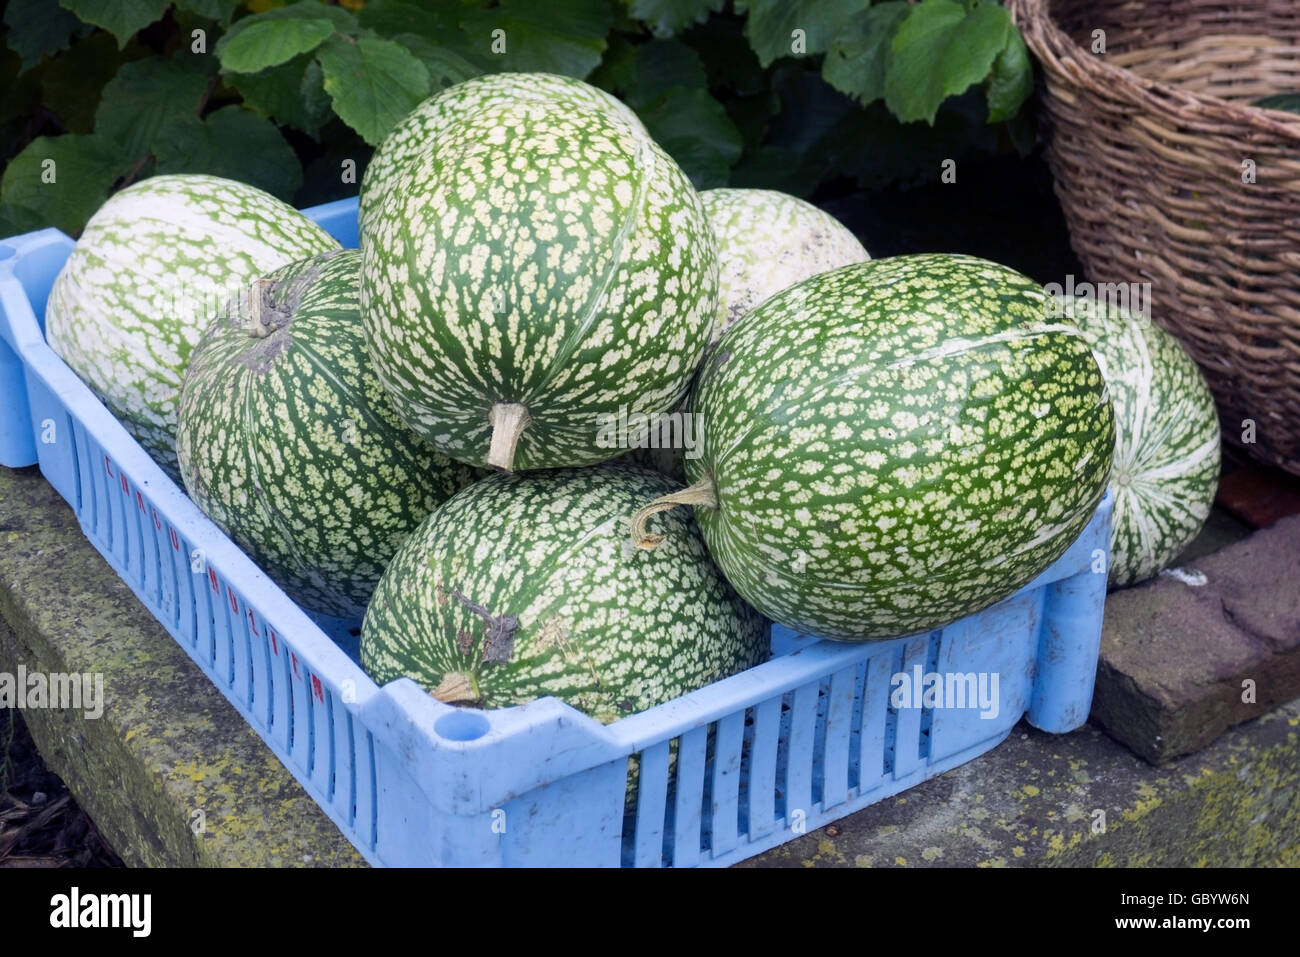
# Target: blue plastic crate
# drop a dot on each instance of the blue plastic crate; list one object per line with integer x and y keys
{"x": 791, "y": 745}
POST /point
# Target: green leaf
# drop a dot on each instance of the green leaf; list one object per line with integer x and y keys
{"x": 342, "y": 20}
{"x": 231, "y": 142}
{"x": 219, "y": 10}
{"x": 810, "y": 108}
{"x": 772, "y": 26}
{"x": 941, "y": 49}
{"x": 695, "y": 130}
{"x": 72, "y": 84}
{"x": 1287, "y": 102}
{"x": 83, "y": 170}
{"x": 661, "y": 65}
{"x": 373, "y": 83}
{"x": 271, "y": 43}
{"x": 144, "y": 97}
{"x": 1012, "y": 79}
{"x": 665, "y": 18}
{"x": 728, "y": 57}
{"x": 38, "y": 28}
{"x": 445, "y": 66}
{"x": 855, "y": 63}
{"x": 16, "y": 220}
{"x": 122, "y": 18}
{"x": 391, "y": 17}
{"x": 617, "y": 70}
{"x": 293, "y": 93}
{"x": 567, "y": 39}
{"x": 425, "y": 28}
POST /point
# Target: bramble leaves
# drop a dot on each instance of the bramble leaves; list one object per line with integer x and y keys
{"x": 372, "y": 83}
{"x": 666, "y": 18}
{"x": 942, "y": 48}
{"x": 144, "y": 97}
{"x": 292, "y": 94}
{"x": 272, "y": 42}
{"x": 855, "y": 63}
{"x": 526, "y": 36}
{"x": 694, "y": 129}
{"x": 782, "y": 28}
{"x": 784, "y": 93}
{"x": 1012, "y": 79}
{"x": 60, "y": 181}
{"x": 235, "y": 143}
{"x": 219, "y": 10}
{"x": 122, "y": 18}
{"x": 38, "y": 28}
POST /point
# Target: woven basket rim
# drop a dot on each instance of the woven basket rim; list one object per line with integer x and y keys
{"x": 1051, "y": 46}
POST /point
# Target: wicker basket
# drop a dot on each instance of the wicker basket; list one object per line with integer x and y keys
{"x": 1147, "y": 144}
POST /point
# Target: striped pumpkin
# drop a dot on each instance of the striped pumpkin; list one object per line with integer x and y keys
{"x": 409, "y": 144}
{"x": 1166, "y": 467}
{"x": 523, "y": 586}
{"x": 152, "y": 266}
{"x": 537, "y": 263}
{"x": 894, "y": 445}
{"x": 288, "y": 443}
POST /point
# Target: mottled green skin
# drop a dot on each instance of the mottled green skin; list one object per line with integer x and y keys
{"x": 535, "y": 252}
{"x": 407, "y": 145}
{"x": 290, "y": 445}
{"x": 1166, "y": 467}
{"x": 609, "y": 628}
{"x": 898, "y": 444}
{"x": 151, "y": 267}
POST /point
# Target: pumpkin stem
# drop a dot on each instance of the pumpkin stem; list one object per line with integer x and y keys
{"x": 259, "y": 294}
{"x": 508, "y": 421}
{"x": 704, "y": 492}
{"x": 456, "y": 688}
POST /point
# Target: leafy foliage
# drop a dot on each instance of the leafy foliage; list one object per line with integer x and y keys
{"x": 787, "y": 94}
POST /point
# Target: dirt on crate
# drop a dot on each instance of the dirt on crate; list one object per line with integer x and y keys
{"x": 40, "y": 824}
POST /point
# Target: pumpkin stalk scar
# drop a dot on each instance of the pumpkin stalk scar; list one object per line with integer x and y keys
{"x": 702, "y": 493}
{"x": 508, "y": 421}
{"x": 265, "y": 314}
{"x": 498, "y": 631}
{"x": 259, "y": 307}
{"x": 456, "y": 688}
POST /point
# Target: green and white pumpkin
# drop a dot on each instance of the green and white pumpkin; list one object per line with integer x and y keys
{"x": 768, "y": 241}
{"x": 894, "y": 445}
{"x": 287, "y": 441}
{"x": 408, "y": 145}
{"x": 1166, "y": 467}
{"x": 538, "y": 265}
{"x": 151, "y": 268}
{"x": 525, "y": 585}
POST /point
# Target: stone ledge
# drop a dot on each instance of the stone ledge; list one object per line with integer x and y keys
{"x": 168, "y": 744}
